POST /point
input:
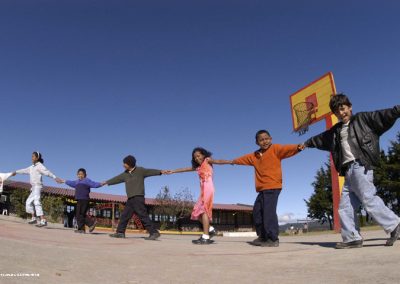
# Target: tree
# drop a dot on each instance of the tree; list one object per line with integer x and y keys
{"x": 387, "y": 176}
{"x": 53, "y": 207}
{"x": 320, "y": 205}
{"x": 18, "y": 198}
{"x": 178, "y": 206}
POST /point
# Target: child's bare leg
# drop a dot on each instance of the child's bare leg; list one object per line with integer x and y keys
{"x": 206, "y": 223}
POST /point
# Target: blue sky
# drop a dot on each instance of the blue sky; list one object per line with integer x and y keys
{"x": 88, "y": 82}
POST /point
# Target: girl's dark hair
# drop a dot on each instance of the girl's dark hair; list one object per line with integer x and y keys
{"x": 203, "y": 151}
{"x": 83, "y": 171}
{"x": 263, "y": 131}
{"x": 337, "y": 101}
{"x": 39, "y": 156}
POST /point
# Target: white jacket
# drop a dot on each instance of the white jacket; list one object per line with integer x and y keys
{"x": 3, "y": 177}
{"x": 36, "y": 171}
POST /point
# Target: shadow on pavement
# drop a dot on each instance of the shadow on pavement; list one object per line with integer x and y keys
{"x": 321, "y": 244}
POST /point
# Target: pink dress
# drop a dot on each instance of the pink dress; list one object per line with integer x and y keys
{"x": 205, "y": 202}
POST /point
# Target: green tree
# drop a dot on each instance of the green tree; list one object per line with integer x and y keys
{"x": 320, "y": 205}
{"x": 18, "y": 198}
{"x": 178, "y": 206}
{"x": 387, "y": 176}
{"x": 53, "y": 207}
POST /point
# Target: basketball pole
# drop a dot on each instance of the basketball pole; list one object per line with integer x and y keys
{"x": 337, "y": 181}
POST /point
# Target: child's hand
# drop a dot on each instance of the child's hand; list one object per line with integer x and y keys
{"x": 58, "y": 180}
{"x": 14, "y": 174}
{"x": 301, "y": 147}
{"x": 167, "y": 172}
{"x": 103, "y": 183}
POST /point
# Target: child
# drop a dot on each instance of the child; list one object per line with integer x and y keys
{"x": 82, "y": 189}
{"x": 268, "y": 178}
{"x": 134, "y": 184}
{"x": 354, "y": 145}
{"x": 3, "y": 178}
{"x": 33, "y": 204}
{"x": 202, "y": 211}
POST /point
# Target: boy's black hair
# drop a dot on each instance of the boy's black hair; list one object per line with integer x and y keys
{"x": 83, "y": 171}
{"x": 39, "y": 156}
{"x": 262, "y": 131}
{"x": 130, "y": 161}
{"x": 339, "y": 100}
{"x": 203, "y": 151}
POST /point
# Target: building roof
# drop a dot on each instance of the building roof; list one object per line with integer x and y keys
{"x": 103, "y": 197}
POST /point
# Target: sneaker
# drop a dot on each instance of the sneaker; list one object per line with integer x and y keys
{"x": 258, "y": 242}
{"x": 349, "y": 245}
{"x": 271, "y": 244}
{"x": 212, "y": 233}
{"x": 43, "y": 223}
{"x": 202, "y": 241}
{"x": 32, "y": 221}
{"x": 153, "y": 236}
{"x": 80, "y": 231}
{"x": 91, "y": 228}
{"x": 117, "y": 235}
{"x": 393, "y": 236}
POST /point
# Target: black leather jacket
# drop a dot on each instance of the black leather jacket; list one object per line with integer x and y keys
{"x": 364, "y": 131}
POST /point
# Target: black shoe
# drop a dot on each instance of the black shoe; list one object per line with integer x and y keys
{"x": 91, "y": 228}
{"x": 202, "y": 241}
{"x": 350, "y": 245}
{"x": 80, "y": 231}
{"x": 258, "y": 242}
{"x": 117, "y": 235}
{"x": 153, "y": 236}
{"x": 212, "y": 233}
{"x": 32, "y": 222}
{"x": 393, "y": 236}
{"x": 270, "y": 244}
{"x": 42, "y": 223}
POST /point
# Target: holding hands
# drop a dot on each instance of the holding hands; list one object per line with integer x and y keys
{"x": 59, "y": 180}
{"x": 301, "y": 147}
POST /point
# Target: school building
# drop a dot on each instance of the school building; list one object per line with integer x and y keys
{"x": 107, "y": 209}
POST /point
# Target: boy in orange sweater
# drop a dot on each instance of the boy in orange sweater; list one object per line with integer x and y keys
{"x": 268, "y": 177}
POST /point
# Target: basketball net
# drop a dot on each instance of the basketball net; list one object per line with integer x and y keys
{"x": 305, "y": 115}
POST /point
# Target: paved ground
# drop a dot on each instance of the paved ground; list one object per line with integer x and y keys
{"x": 60, "y": 256}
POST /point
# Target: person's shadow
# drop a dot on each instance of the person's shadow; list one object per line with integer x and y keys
{"x": 333, "y": 244}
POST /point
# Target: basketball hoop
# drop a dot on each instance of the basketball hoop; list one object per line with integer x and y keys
{"x": 305, "y": 115}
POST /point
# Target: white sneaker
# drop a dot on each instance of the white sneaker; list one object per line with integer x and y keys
{"x": 42, "y": 223}
{"x": 32, "y": 221}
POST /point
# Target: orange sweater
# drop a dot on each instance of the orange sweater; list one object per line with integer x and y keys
{"x": 267, "y": 167}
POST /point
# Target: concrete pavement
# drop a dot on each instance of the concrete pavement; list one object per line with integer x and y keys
{"x": 57, "y": 255}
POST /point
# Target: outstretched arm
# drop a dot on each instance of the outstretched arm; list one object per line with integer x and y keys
{"x": 23, "y": 171}
{"x": 220, "y": 162}
{"x": 181, "y": 170}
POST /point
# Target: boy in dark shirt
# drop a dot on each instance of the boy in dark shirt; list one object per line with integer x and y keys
{"x": 133, "y": 177}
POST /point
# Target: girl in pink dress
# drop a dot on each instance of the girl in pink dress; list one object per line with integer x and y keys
{"x": 202, "y": 211}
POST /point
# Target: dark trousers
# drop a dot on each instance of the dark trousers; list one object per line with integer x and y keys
{"x": 135, "y": 205}
{"x": 264, "y": 214}
{"x": 81, "y": 218}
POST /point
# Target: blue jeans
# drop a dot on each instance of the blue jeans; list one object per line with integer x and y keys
{"x": 359, "y": 189}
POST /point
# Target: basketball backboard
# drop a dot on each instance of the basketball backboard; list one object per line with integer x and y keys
{"x": 314, "y": 100}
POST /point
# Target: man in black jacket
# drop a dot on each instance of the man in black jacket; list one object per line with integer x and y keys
{"x": 354, "y": 145}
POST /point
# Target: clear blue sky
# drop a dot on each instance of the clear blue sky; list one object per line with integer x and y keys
{"x": 88, "y": 82}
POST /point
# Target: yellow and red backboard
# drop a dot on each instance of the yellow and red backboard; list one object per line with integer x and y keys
{"x": 319, "y": 93}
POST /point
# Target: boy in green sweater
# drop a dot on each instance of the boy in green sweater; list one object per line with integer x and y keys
{"x": 134, "y": 184}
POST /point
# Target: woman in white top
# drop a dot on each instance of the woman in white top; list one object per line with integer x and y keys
{"x": 33, "y": 204}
